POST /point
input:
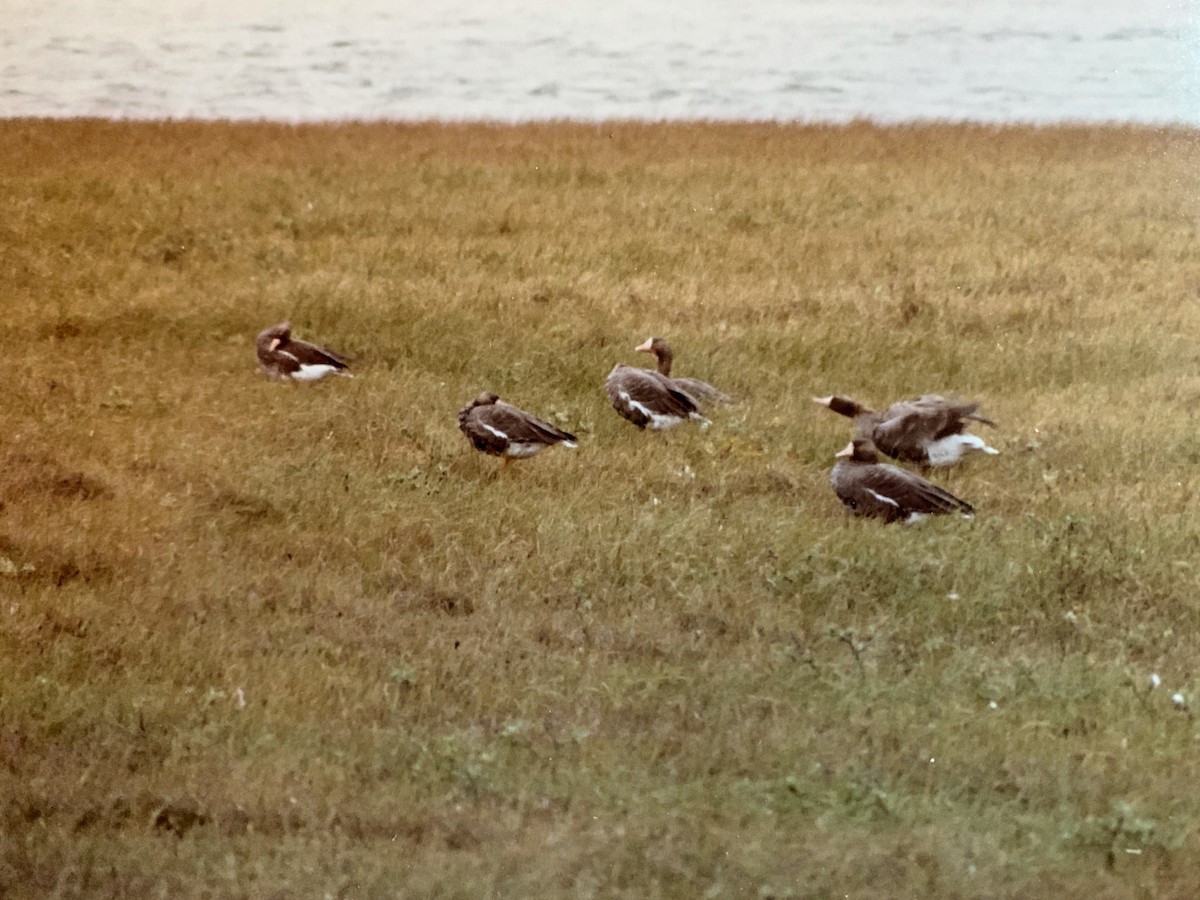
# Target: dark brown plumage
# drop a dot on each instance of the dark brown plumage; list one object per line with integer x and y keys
{"x": 929, "y": 430}
{"x": 650, "y": 400}
{"x": 291, "y": 360}
{"x": 701, "y": 391}
{"x": 501, "y": 429}
{"x": 880, "y": 490}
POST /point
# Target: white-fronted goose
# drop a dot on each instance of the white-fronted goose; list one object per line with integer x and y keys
{"x": 930, "y": 430}
{"x": 880, "y": 490}
{"x": 699, "y": 390}
{"x": 500, "y": 429}
{"x": 290, "y": 360}
{"x": 650, "y": 400}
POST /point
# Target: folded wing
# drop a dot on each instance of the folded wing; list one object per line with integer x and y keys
{"x": 909, "y": 492}
{"x": 648, "y": 399}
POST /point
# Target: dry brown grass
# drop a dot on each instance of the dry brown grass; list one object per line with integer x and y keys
{"x": 660, "y": 665}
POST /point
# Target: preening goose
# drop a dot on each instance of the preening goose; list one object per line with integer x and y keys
{"x": 290, "y": 360}
{"x": 699, "y": 390}
{"x": 883, "y": 491}
{"x": 501, "y": 429}
{"x": 930, "y": 430}
{"x": 650, "y": 400}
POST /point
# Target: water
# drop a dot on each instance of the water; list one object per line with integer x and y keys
{"x": 509, "y": 60}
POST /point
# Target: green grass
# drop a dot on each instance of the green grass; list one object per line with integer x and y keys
{"x": 258, "y": 640}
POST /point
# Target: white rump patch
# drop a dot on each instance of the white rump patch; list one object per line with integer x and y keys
{"x": 313, "y": 373}
{"x": 882, "y": 499}
{"x": 662, "y": 423}
{"x": 570, "y": 444}
{"x": 914, "y": 517}
{"x": 950, "y": 449}
{"x": 522, "y": 451}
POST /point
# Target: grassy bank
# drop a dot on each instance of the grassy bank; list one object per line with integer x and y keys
{"x": 258, "y": 640}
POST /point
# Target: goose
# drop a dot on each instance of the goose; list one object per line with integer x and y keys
{"x": 287, "y": 360}
{"x": 929, "y": 430}
{"x": 883, "y": 491}
{"x": 649, "y": 399}
{"x": 698, "y": 390}
{"x": 501, "y": 429}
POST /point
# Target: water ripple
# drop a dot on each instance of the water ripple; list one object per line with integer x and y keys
{"x": 831, "y": 60}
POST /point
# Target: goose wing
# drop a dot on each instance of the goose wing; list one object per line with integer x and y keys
{"x": 965, "y": 412}
{"x": 909, "y": 492}
{"x": 701, "y": 391}
{"x": 521, "y": 427}
{"x": 904, "y": 429}
{"x": 497, "y": 426}
{"x": 936, "y": 408}
{"x": 306, "y": 354}
{"x": 637, "y": 394}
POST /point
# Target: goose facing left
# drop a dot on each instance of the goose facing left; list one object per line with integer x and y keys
{"x": 649, "y": 399}
{"x": 501, "y": 429}
{"x": 883, "y": 491}
{"x": 930, "y": 430}
{"x": 701, "y": 391}
{"x": 286, "y": 359}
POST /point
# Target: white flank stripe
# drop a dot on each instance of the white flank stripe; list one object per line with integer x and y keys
{"x": 496, "y": 431}
{"x": 658, "y": 422}
{"x": 882, "y": 499}
{"x": 633, "y": 404}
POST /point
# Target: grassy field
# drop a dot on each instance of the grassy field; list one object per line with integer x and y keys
{"x": 259, "y": 640}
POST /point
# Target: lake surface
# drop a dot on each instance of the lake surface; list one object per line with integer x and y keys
{"x": 511, "y": 60}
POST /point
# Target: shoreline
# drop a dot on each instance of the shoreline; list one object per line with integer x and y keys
{"x": 849, "y": 121}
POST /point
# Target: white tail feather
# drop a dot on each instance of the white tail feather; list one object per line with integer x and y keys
{"x": 950, "y": 450}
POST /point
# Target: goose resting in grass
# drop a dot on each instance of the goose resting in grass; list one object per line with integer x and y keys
{"x": 288, "y": 360}
{"x": 883, "y": 491}
{"x": 930, "y": 430}
{"x": 500, "y": 429}
{"x": 650, "y": 400}
{"x": 698, "y": 390}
